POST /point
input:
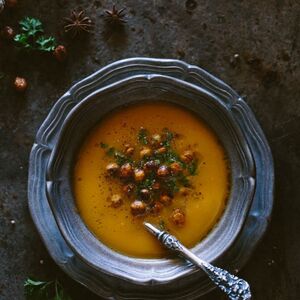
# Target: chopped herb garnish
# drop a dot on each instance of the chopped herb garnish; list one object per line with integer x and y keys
{"x": 183, "y": 180}
{"x": 192, "y": 167}
{"x": 143, "y": 136}
{"x": 171, "y": 185}
{"x": 43, "y": 290}
{"x": 162, "y": 225}
{"x": 121, "y": 158}
{"x": 168, "y": 157}
{"x": 110, "y": 151}
{"x": 146, "y": 184}
{"x": 152, "y": 180}
{"x": 168, "y": 137}
{"x": 103, "y": 146}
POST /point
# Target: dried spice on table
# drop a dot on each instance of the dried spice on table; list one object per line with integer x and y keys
{"x": 11, "y": 3}
{"x": 115, "y": 17}
{"x": 7, "y": 33}
{"x": 20, "y": 84}
{"x": 78, "y": 23}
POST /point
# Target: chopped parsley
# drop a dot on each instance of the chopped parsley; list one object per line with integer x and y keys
{"x": 162, "y": 225}
{"x": 192, "y": 167}
{"x": 152, "y": 179}
{"x": 168, "y": 137}
{"x": 110, "y": 151}
{"x": 103, "y": 146}
{"x": 143, "y": 136}
{"x": 121, "y": 158}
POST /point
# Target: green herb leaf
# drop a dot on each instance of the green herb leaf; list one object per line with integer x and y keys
{"x": 168, "y": 137}
{"x": 103, "y": 146}
{"x": 183, "y": 180}
{"x": 60, "y": 293}
{"x": 162, "y": 225}
{"x": 170, "y": 185}
{"x": 192, "y": 167}
{"x": 31, "y": 282}
{"x": 111, "y": 151}
{"x": 42, "y": 290}
{"x": 168, "y": 157}
{"x": 46, "y": 44}
{"x": 22, "y": 39}
{"x": 31, "y": 26}
{"x": 122, "y": 158}
{"x": 30, "y": 37}
{"x": 36, "y": 290}
{"x": 143, "y": 136}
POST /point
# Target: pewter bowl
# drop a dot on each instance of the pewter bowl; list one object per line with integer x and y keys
{"x": 108, "y": 273}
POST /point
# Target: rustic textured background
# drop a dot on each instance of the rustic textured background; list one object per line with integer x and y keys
{"x": 264, "y": 34}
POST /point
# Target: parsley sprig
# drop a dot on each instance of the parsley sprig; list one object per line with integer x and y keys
{"x": 44, "y": 290}
{"x": 31, "y": 36}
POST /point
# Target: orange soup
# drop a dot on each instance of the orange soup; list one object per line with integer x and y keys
{"x": 155, "y": 162}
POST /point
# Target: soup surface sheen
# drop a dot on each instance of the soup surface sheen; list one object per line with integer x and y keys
{"x": 116, "y": 227}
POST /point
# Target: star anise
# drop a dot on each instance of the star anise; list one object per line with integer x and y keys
{"x": 78, "y": 23}
{"x": 115, "y": 16}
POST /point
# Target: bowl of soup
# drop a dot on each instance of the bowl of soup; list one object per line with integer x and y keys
{"x": 140, "y": 164}
{"x": 158, "y": 141}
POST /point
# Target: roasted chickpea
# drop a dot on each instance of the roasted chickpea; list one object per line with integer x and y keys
{"x": 187, "y": 156}
{"x": 145, "y": 194}
{"x": 139, "y": 175}
{"x": 166, "y": 200}
{"x": 163, "y": 171}
{"x": 60, "y": 53}
{"x": 150, "y": 165}
{"x": 112, "y": 168}
{"x": 126, "y": 170}
{"x": 178, "y": 217}
{"x": 116, "y": 200}
{"x": 129, "y": 150}
{"x": 161, "y": 150}
{"x": 156, "y": 208}
{"x": 128, "y": 188}
{"x": 175, "y": 168}
{"x": 138, "y": 207}
{"x": 155, "y": 139}
{"x": 146, "y": 151}
{"x": 156, "y": 186}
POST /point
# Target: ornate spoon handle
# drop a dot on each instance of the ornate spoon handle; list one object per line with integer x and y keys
{"x": 234, "y": 287}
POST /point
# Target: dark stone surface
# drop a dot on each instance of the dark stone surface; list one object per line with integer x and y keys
{"x": 265, "y": 35}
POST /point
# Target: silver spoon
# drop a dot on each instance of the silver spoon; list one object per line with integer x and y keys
{"x": 234, "y": 287}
